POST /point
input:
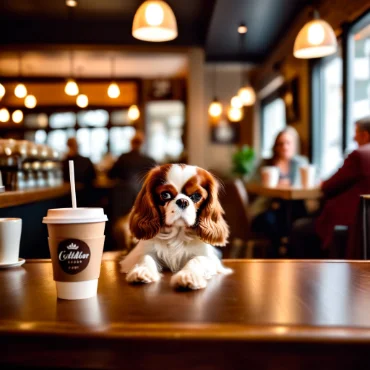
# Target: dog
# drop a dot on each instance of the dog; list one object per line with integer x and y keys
{"x": 177, "y": 218}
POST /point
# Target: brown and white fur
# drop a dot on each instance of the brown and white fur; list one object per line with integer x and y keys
{"x": 178, "y": 219}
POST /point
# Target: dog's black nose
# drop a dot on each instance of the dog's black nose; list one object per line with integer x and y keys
{"x": 182, "y": 203}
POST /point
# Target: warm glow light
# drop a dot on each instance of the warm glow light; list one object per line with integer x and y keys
{"x": 242, "y": 29}
{"x": 315, "y": 40}
{"x": 133, "y": 113}
{"x": 82, "y": 101}
{"x": 20, "y": 91}
{"x": 215, "y": 109}
{"x": 71, "y": 3}
{"x": 71, "y": 88}
{"x": 234, "y": 114}
{"x": 30, "y": 101}
{"x": 4, "y": 115}
{"x": 154, "y": 14}
{"x": 113, "y": 90}
{"x": 17, "y": 116}
{"x": 2, "y": 90}
{"x": 247, "y": 95}
{"x": 236, "y": 102}
{"x": 154, "y": 21}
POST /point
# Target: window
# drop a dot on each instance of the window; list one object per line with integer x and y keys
{"x": 273, "y": 121}
{"x": 327, "y": 115}
{"x": 359, "y": 75}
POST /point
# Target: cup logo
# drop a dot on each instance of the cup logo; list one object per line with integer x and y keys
{"x": 73, "y": 256}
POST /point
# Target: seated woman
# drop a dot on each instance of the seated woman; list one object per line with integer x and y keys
{"x": 270, "y": 215}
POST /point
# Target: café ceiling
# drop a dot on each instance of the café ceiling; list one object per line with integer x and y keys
{"x": 211, "y": 24}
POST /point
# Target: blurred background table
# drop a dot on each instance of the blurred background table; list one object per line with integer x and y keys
{"x": 267, "y": 315}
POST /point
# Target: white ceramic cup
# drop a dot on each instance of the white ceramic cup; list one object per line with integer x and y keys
{"x": 308, "y": 173}
{"x": 10, "y": 237}
{"x": 270, "y": 176}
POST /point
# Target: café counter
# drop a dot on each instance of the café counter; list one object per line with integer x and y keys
{"x": 268, "y": 314}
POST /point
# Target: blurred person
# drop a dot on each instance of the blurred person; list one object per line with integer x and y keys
{"x": 312, "y": 237}
{"x": 270, "y": 215}
{"x": 84, "y": 169}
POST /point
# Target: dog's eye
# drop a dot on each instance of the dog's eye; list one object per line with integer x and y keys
{"x": 165, "y": 195}
{"x": 195, "y": 197}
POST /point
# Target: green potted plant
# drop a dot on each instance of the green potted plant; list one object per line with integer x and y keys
{"x": 243, "y": 161}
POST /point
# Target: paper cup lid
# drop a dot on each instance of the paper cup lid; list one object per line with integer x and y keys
{"x": 74, "y": 216}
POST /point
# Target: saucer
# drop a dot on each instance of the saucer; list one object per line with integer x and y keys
{"x": 20, "y": 262}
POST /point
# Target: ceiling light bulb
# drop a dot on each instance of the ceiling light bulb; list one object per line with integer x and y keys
{"x": 2, "y": 90}
{"x": 30, "y": 101}
{"x": 71, "y": 88}
{"x": 215, "y": 109}
{"x": 133, "y": 113}
{"x": 234, "y": 114}
{"x": 17, "y": 116}
{"x": 247, "y": 95}
{"x": 154, "y": 21}
{"x": 82, "y": 101}
{"x": 242, "y": 29}
{"x": 113, "y": 90}
{"x": 154, "y": 14}
{"x": 315, "y": 34}
{"x": 236, "y": 102}
{"x": 20, "y": 91}
{"x": 4, "y": 115}
{"x": 71, "y": 3}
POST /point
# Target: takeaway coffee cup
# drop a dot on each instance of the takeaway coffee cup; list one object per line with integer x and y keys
{"x": 308, "y": 173}
{"x": 10, "y": 237}
{"x": 76, "y": 241}
{"x": 270, "y": 176}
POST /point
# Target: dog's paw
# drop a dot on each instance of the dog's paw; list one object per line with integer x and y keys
{"x": 142, "y": 274}
{"x": 225, "y": 270}
{"x": 188, "y": 279}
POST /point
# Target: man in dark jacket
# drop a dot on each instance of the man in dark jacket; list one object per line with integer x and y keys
{"x": 342, "y": 197}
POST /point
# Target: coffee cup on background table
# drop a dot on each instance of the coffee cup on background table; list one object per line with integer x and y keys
{"x": 308, "y": 176}
{"x": 76, "y": 242}
{"x": 270, "y": 176}
{"x": 10, "y": 237}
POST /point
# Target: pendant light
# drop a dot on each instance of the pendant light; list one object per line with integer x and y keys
{"x": 113, "y": 89}
{"x": 4, "y": 115}
{"x": 17, "y": 116}
{"x": 133, "y": 113}
{"x": 30, "y": 101}
{"x": 154, "y": 21}
{"x": 2, "y": 91}
{"x": 215, "y": 108}
{"x": 20, "y": 90}
{"x": 246, "y": 93}
{"x": 71, "y": 87}
{"x": 315, "y": 40}
{"x": 82, "y": 101}
{"x": 235, "y": 114}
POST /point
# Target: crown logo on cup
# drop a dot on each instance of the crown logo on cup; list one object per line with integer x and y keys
{"x": 72, "y": 246}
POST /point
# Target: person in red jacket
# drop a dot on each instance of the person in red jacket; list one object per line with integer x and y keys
{"x": 312, "y": 237}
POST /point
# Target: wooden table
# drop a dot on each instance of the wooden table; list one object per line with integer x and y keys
{"x": 267, "y": 315}
{"x": 284, "y": 192}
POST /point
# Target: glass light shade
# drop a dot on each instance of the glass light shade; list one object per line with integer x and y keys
{"x": 82, "y": 101}
{"x": 17, "y": 116}
{"x": 71, "y": 3}
{"x": 4, "y": 115}
{"x": 113, "y": 90}
{"x": 30, "y": 101}
{"x": 215, "y": 109}
{"x": 20, "y": 91}
{"x": 247, "y": 95}
{"x": 315, "y": 40}
{"x": 133, "y": 113}
{"x": 236, "y": 102}
{"x": 71, "y": 88}
{"x": 2, "y": 90}
{"x": 235, "y": 114}
{"x": 154, "y": 21}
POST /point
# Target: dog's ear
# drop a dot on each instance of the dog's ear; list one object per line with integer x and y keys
{"x": 211, "y": 226}
{"x": 145, "y": 220}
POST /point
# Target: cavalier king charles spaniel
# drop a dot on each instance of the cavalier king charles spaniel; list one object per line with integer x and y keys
{"x": 178, "y": 219}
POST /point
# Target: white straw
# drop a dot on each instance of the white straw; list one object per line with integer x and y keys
{"x": 72, "y": 181}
